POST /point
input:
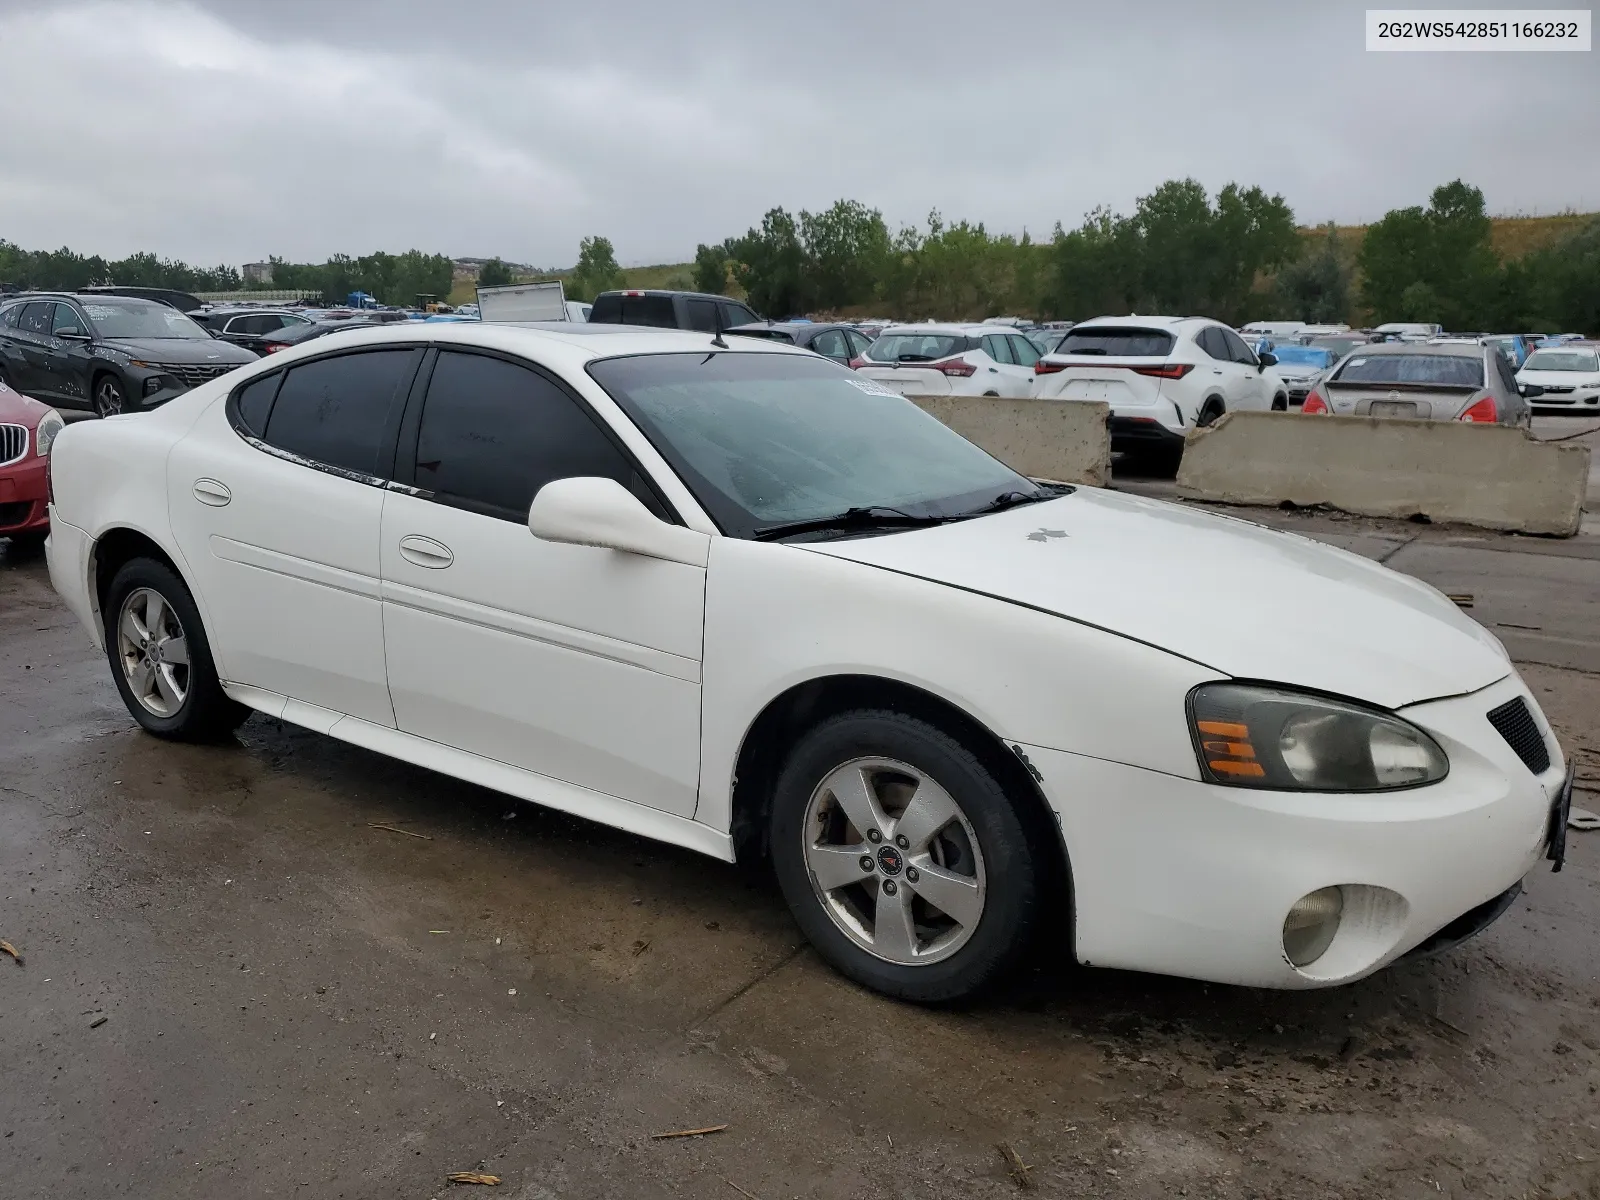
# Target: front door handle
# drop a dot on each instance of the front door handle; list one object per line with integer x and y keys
{"x": 425, "y": 552}
{"x": 209, "y": 491}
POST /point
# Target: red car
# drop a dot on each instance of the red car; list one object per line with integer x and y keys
{"x": 27, "y": 429}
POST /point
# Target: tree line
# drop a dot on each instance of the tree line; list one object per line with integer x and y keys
{"x": 1236, "y": 256}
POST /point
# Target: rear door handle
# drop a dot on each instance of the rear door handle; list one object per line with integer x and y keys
{"x": 425, "y": 552}
{"x": 209, "y": 491}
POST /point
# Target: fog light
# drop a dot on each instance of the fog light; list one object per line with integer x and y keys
{"x": 1309, "y": 928}
{"x": 152, "y": 385}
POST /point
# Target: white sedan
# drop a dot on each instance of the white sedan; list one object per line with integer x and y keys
{"x": 737, "y": 598}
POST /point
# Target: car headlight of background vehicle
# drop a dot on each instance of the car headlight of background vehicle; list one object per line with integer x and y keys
{"x": 1247, "y": 735}
{"x": 44, "y": 434}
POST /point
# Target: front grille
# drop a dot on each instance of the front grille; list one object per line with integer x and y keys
{"x": 13, "y": 443}
{"x": 1515, "y": 723}
{"x": 15, "y": 513}
{"x": 1557, "y": 391}
{"x": 194, "y": 374}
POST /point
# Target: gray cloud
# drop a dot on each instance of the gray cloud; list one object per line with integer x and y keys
{"x": 224, "y": 132}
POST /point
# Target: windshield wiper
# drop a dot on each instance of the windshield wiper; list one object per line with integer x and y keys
{"x": 1011, "y": 499}
{"x": 863, "y": 517}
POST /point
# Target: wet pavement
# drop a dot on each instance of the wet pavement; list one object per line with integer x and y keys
{"x": 298, "y": 1003}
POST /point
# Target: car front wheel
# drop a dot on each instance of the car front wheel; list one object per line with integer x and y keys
{"x": 902, "y": 858}
{"x": 160, "y": 657}
{"x": 108, "y": 398}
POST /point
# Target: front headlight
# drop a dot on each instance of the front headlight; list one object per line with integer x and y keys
{"x": 1247, "y": 735}
{"x": 44, "y": 435}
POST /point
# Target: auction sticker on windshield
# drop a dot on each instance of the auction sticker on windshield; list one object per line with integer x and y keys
{"x": 1426, "y": 29}
{"x": 871, "y": 389}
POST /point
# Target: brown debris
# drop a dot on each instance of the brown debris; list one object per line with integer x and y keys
{"x": 1015, "y": 1167}
{"x": 397, "y": 829}
{"x": 8, "y": 948}
{"x": 472, "y": 1176}
{"x": 683, "y": 1133}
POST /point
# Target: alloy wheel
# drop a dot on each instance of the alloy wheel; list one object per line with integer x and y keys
{"x": 154, "y": 652}
{"x": 108, "y": 398}
{"x": 894, "y": 861}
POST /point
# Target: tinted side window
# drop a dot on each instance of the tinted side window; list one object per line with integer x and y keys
{"x": 831, "y": 343}
{"x": 1508, "y": 379}
{"x": 1210, "y": 340}
{"x": 737, "y": 314}
{"x": 858, "y": 342}
{"x": 8, "y": 316}
{"x": 648, "y": 310}
{"x": 67, "y": 320}
{"x": 702, "y": 315}
{"x": 998, "y": 347}
{"x": 1237, "y": 350}
{"x": 336, "y": 410}
{"x": 36, "y": 317}
{"x": 1027, "y": 353}
{"x": 254, "y": 401}
{"x": 493, "y": 433}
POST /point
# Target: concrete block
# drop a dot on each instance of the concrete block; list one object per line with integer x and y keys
{"x": 1066, "y": 441}
{"x": 1492, "y": 476}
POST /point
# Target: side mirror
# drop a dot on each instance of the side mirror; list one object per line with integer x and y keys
{"x": 590, "y": 511}
{"x": 1530, "y": 390}
{"x": 1267, "y": 359}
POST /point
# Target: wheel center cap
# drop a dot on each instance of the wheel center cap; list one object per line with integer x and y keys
{"x": 889, "y": 860}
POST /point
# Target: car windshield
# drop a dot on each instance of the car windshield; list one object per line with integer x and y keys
{"x": 1563, "y": 360}
{"x": 915, "y": 347}
{"x": 1417, "y": 370}
{"x": 1304, "y": 356}
{"x": 1124, "y": 342}
{"x": 764, "y": 440}
{"x": 141, "y": 319}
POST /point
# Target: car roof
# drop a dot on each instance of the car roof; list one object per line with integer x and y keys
{"x": 577, "y": 341}
{"x": 1144, "y": 322}
{"x": 1458, "y": 349}
{"x": 86, "y": 298}
{"x": 946, "y": 329}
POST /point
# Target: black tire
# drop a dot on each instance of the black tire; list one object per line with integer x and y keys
{"x": 1011, "y": 859}
{"x": 1280, "y": 404}
{"x": 108, "y": 395}
{"x": 1210, "y": 412}
{"x": 206, "y": 713}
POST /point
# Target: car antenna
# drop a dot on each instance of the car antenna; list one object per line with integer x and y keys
{"x": 716, "y": 338}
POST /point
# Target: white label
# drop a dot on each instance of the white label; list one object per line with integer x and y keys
{"x": 870, "y": 388}
{"x": 1538, "y": 29}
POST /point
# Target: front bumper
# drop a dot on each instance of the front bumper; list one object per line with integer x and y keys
{"x": 1587, "y": 398}
{"x": 24, "y": 491}
{"x": 1180, "y": 877}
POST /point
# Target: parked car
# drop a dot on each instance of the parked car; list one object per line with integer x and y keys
{"x": 295, "y": 335}
{"x": 1340, "y": 343}
{"x": 670, "y": 310}
{"x": 27, "y": 431}
{"x": 1441, "y": 381}
{"x": 251, "y": 328}
{"x": 110, "y": 354}
{"x": 1515, "y": 346}
{"x": 842, "y": 343}
{"x": 1300, "y": 367}
{"x": 1408, "y": 331}
{"x": 1045, "y": 340}
{"x": 741, "y": 603}
{"x": 1568, "y": 375}
{"x": 1162, "y": 376}
{"x": 960, "y": 360}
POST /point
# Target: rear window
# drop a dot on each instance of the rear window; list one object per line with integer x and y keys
{"x": 1420, "y": 370}
{"x": 1124, "y": 342}
{"x": 648, "y": 310}
{"x": 917, "y": 347}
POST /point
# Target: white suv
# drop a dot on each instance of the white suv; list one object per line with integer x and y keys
{"x": 1162, "y": 377}
{"x": 951, "y": 360}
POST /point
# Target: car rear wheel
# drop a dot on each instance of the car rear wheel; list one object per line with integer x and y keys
{"x": 160, "y": 657}
{"x": 109, "y": 400}
{"x": 1210, "y": 413}
{"x": 902, "y": 858}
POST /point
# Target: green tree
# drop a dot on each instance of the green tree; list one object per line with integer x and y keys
{"x": 846, "y": 249}
{"x": 1445, "y": 248}
{"x": 1316, "y": 287}
{"x": 710, "y": 270}
{"x": 494, "y": 273}
{"x": 596, "y": 272}
{"x": 770, "y": 264}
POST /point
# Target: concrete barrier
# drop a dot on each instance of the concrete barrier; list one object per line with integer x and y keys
{"x": 1495, "y": 477}
{"x": 1066, "y": 441}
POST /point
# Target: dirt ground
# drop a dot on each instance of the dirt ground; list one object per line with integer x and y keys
{"x": 296, "y": 1003}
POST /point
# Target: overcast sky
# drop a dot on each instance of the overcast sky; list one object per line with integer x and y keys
{"x": 226, "y": 131}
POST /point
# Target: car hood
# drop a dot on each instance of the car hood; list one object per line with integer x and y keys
{"x": 1298, "y": 370}
{"x": 179, "y": 350}
{"x": 17, "y": 409}
{"x": 1249, "y": 602}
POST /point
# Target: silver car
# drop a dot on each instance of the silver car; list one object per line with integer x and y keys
{"x": 1448, "y": 381}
